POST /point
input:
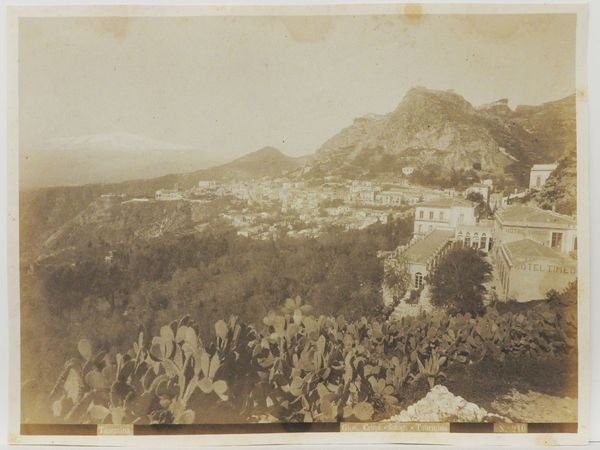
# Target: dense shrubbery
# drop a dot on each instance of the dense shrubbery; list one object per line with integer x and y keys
{"x": 435, "y": 175}
{"x": 208, "y": 276}
{"x": 560, "y": 190}
{"x": 223, "y": 272}
{"x": 295, "y": 366}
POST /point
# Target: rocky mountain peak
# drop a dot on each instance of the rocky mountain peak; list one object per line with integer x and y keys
{"x": 440, "y": 127}
{"x": 420, "y": 99}
{"x": 499, "y": 107}
{"x": 264, "y": 153}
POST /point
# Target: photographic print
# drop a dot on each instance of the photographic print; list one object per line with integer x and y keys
{"x": 339, "y": 223}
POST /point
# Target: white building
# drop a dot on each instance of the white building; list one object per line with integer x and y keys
{"x": 168, "y": 195}
{"x": 478, "y": 236}
{"x": 532, "y": 250}
{"x": 423, "y": 255}
{"x": 539, "y": 174}
{"x": 390, "y": 198}
{"x": 547, "y": 228}
{"x": 527, "y": 270}
{"x": 207, "y": 184}
{"x": 241, "y": 191}
{"x": 362, "y": 192}
{"x": 445, "y": 214}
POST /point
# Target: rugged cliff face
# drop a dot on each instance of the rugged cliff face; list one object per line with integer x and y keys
{"x": 552, "y": 125}
{"x": 442, "y": 127}
{"x": 446, "y": 122}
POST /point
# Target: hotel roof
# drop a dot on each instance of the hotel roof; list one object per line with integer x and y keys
{"x": 422, "y": 250}
{"x": 544, "y": 167}
{"x": 446, "y": 202}
{"x": 530, "y": 215}
{"x": 529, "y": 249}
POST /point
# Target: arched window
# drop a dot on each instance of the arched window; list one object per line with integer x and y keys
{"x": 460, "y": 238}
{"x": 475, "y": 241}
{"x": 483, "y": 241}
{"x": 468, "y": 239}
{"x": 418, "y": 280}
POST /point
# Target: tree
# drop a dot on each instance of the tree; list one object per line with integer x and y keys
{"x": 475, "y": 197}
{"x": 564, "y": 303}
{"x": 397, "y": 276}
{"x": 482, "y": 208}
{"x": 457, "y": 283}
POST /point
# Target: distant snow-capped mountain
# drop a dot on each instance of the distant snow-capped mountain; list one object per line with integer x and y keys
{"x": 105, "y": 158}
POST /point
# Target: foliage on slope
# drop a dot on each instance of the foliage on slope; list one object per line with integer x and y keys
{"x": 208, "y": 276}
{"x": 294, "y": 367}
{"x": 560, "y": 190}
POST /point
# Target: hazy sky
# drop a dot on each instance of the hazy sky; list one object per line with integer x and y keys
{"x": 230, "y": 85}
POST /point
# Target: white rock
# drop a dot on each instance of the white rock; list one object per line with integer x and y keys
{"x": 440, "y": 405}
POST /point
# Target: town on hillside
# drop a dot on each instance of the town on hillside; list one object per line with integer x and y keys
{"x": 531, "y": 250}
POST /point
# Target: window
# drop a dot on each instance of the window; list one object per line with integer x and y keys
{"x": 538, "y": 181}
{"x": 461, "y": 219}
{"x": 430, "y": 215}
{"x": 460, "y": 237}
{"x": 475, "y": 241}
{"x": 421, "y": 214}
{"x": 418, "y": 280}
{"x": 575, "y": 243}
{"x": 441, "y": 216}
{"x": 420, "y": 228}
{"x": 483, "y": 241}
{"x": 557, "y": 241}
{"x": 468, "y": 239}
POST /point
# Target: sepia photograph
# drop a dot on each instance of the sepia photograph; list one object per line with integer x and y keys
{"x": 367, "y": 222}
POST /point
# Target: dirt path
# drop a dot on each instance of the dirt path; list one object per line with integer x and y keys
{"x": 536, "y": 407}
